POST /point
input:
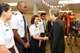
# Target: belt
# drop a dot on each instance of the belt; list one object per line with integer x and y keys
{"x": 42, "y": 34}
{"x": 12, "y": 50}
{"x": 34, "y": 40}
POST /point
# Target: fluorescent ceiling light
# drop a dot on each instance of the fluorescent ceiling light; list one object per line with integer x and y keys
{"x": 65, "y": 11}
{"x": 41, "y": 11}
{"x": 69, "y": 1}
{"x": 12, "y": 4}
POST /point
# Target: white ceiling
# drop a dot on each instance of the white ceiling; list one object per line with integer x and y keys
{"x": 41, "y": 6}
{"x": 31, "y": 2}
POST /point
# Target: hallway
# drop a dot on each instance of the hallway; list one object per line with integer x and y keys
{"x": 74, "y": 49}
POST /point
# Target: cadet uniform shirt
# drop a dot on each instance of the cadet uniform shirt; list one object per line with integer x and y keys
{"x": 17, "y": 22}
{"x": 6, "y": 35}
{"x": 41, "y": 26}
{"x": 34, "y": 30}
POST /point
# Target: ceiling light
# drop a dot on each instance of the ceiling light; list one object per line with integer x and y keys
{"x": 41, "y": 12}
{"x": 12, "y": 4}
{"x": 65, "y": 11}
{"x": 69, "y": 1}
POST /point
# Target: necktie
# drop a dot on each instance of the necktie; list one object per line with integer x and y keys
{"x": 51, "y": 23}
{"x": 25, "y": 28}
{"x": 44, "y": 26}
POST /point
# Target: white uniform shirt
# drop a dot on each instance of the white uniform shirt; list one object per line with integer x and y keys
{"x": 17, "y": 22}
{"x": 6, "y": 35}
{"x": 34, "y": 30}
{"x": 41, "y": 26}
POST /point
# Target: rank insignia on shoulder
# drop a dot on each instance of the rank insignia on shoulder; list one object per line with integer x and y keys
{"x": 7, "y": 29}
{"x": 15, "y": 13}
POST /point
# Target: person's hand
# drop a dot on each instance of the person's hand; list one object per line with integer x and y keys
{"x": 27, "y": 45}
{"x": 45, "y": 38}
{"x": 40, "y": 43}
{"x": 73, "y": 27}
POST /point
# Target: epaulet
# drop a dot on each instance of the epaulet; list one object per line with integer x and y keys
{"x": 15, "y": 13}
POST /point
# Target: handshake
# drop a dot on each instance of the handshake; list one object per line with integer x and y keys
{"x": 45, "y": 38}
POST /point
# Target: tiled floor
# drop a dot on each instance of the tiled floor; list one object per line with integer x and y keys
{"x": 68, "y": 50}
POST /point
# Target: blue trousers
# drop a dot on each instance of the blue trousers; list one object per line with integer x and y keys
{"x": 34, "y": 46}
{"x": 43, "y": 44}
{"x": 20, "y": 47}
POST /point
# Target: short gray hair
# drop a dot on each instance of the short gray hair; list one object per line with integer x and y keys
{"x": 55, "y": 12}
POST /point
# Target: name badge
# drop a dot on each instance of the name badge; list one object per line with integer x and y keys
{"x": 7, "y": 29}
{"x": 21, "y": 20}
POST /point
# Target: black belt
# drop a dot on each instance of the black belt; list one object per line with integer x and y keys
{"x": 12, "y": 50}
{"x": 34, "y": 40}
{"x": 42, "y": 34}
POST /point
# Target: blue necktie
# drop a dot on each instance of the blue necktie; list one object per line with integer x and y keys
{"x": 25, "y": 28}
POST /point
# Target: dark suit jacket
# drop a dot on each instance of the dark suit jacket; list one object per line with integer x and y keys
{"x": 48, "y": 26}
{"x": 57, "y": 33}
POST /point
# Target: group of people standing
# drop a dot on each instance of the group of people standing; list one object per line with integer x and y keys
{"x": 14, "y": 37}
